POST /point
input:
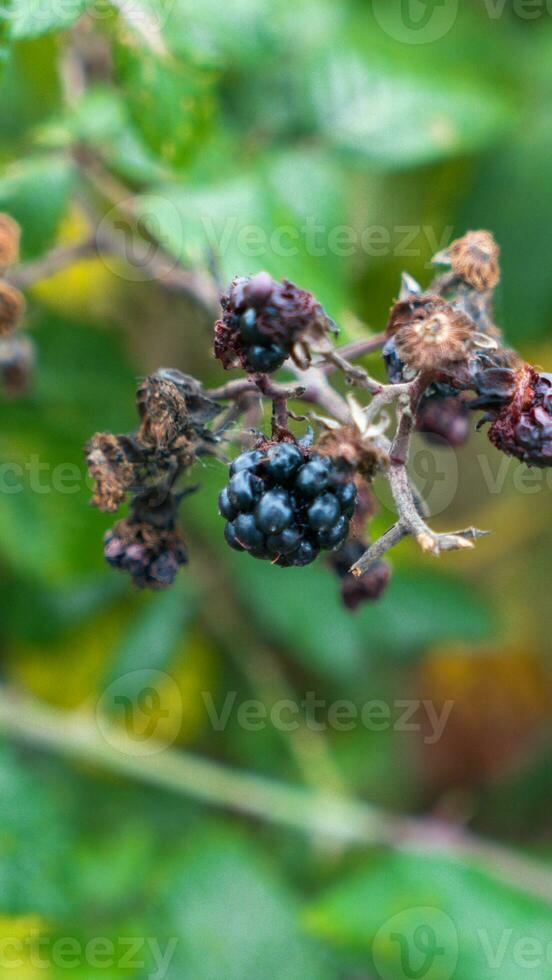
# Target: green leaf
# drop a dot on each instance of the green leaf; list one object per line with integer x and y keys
{"x": 302, "y": 609}
{"x": 48, "y": 532}
{"x": 36, "y": 193}
{"x": 169, "y": 100}
{"x": 435, "y": 918}
{"x": 34, "y": 842}
{"x": 158, "y": 626}
{"x": 234, "y": 916}
{"x": 396, "y": 120}
{"x": 191, "y": 220}
{"x": 32, "y": 18}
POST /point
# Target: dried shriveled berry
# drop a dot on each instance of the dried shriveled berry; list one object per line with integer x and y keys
{"x": 264, "y": 322}
{"x": 285, "y": 503}
{"x": 17, "y": 358}
{"x": 370, "y": 586}
{"x": 147, "y": 544}
{"x": 523, "y": 427}
{"x": 446, "y": 418}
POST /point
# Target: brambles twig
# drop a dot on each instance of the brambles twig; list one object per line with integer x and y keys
{"x": 76, "y": 736}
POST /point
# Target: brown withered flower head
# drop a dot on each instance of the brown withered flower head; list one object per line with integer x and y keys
{"x": 173, "y": 412}
{"x": 173, "y": 408}
{"x": 12, "y": 308}
{"x": 111, "y": 469}
{"x": 474, "y": 259}
{"x": 10, "y": 234}
{"x": 435, "y": 340}
{"x": 264, "y": 322}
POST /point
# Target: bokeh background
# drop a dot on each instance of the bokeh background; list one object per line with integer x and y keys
{"x": 405, "y": 122}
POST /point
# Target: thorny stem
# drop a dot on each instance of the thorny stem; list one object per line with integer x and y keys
{"x": 76, "y": 736}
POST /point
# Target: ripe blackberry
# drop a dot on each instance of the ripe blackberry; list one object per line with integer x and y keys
{"x": 263, "y": 321}
{"x": 285, "y": 503}
{"x": 370, "y": 586}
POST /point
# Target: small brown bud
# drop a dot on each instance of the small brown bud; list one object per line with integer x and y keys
{"x": 474, "y": 259}
{"x": 10, "y": 233}
{"x": 12, "y": 308}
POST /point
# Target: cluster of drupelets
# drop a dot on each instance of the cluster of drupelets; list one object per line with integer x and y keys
{"x": 290, "y": 498}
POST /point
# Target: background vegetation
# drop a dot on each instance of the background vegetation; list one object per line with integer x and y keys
{"x": 209, "y": 118}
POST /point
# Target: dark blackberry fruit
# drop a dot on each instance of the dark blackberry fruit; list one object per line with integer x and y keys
{"x": 335, "y": 535}
{"x": 285, "y": 503}
{"x": 347, "y": 495}
{"x": 266, "y": 358}
{"x": 247, "y": 461}
{"x": 225, "y": 505}
{"x": 284, "y": 543}
{"x": 247, "y": 532}
{"x": 282, "y": 462}
{"x": 324, "y": 512}
{"x": 244, "y": 490}
{"x": 249, "y": 329}
{"x": 262, "y": 320}
{"x": 232, "y": 537}
{"x": 314, "y": 476}
{"x": 274, "y": 511}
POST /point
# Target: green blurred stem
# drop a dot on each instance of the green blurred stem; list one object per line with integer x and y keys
{"x": 77, "y": 736}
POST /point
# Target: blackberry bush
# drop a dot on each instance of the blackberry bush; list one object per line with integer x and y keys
{"x": 289, "y": 496}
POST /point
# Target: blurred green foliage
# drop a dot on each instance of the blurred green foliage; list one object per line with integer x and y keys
{"x": 254, "y": 133}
